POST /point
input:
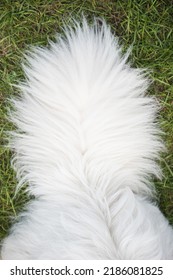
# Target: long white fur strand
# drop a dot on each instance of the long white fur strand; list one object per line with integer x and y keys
{"x": 86, "y": 144}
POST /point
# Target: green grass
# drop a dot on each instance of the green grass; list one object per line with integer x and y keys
{"x": 145, "y": 24}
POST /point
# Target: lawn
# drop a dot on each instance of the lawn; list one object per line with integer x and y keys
{"x": 145, "y": 24}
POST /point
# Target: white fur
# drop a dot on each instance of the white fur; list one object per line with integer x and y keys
{"x": 87, "y": 145}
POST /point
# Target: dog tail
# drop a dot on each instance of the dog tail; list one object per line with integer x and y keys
{"x": 86, "y": 134}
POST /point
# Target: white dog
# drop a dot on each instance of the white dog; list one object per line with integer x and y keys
{"x": 87, "y": 146}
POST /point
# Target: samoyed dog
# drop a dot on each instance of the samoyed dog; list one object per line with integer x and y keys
{"x": 87, "y": 145}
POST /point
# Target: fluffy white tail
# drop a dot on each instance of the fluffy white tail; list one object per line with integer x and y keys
{"x": 87, "y": 147}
